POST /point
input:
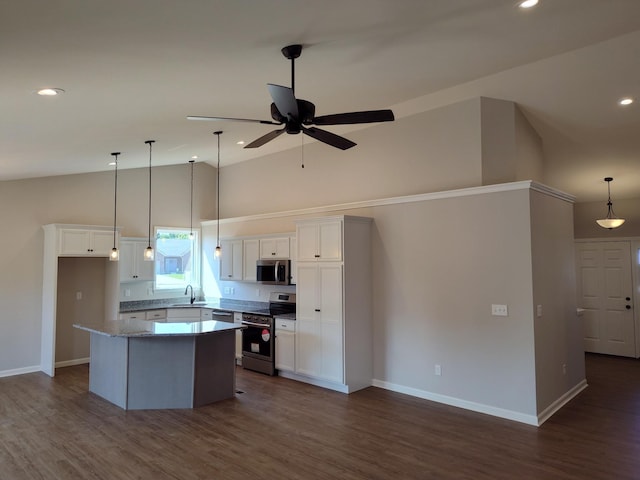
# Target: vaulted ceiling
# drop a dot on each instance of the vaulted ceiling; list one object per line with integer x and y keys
{"x": 133, "y": 70}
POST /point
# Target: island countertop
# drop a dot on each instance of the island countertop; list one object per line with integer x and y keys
{"x": 149, "y": 328}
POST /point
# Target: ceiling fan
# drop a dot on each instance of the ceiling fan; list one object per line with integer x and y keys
{"x": 298, "y": 115}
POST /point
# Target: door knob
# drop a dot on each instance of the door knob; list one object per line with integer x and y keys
{"x": 628, "y": 298}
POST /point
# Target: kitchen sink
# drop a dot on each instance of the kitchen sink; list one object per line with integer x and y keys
{"x": 194, "y": 304}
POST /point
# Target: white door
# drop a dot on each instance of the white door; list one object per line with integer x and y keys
{"x": 605, "y": 293}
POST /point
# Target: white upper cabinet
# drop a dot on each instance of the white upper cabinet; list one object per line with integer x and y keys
{"x": 251, "y": 254}
{"x": 231, "y": 260}
{"x": 133, "y": 267}
{"x": 274, "y": 247}
{"x": 320, "y": 241}
{"x": 86, "y": 242}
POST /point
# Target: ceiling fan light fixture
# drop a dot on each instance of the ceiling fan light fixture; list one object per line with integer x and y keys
{"x": 625, "y": 101}
{"x": 610, "y": 221}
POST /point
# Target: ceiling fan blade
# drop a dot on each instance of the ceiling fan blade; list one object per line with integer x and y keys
{"x": 265, "y": 138}
{"x": 284, "y": 99}
{"x": 370, "y": 116}
{"x": 215, "y": 119}
{"x": 329, "y": 138}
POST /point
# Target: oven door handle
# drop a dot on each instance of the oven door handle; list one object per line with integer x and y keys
{"x": 262, "y": 325}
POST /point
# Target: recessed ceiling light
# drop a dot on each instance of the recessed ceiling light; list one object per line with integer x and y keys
{"x": 194, "y": 157}
{"x": 111, "y": 164}
{"x": 50, "y": 92}
{"x": 528, "y": 3}
{"x": 625, "y": 101}
{"x": 240, "y": 142}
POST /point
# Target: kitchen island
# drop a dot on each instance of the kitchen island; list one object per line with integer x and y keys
{"x": 142, "y": 364}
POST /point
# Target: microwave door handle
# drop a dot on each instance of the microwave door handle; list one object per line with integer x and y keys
{"x": 277, "y": 272}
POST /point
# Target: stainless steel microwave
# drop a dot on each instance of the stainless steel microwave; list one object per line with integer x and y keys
{"x": 273, "y": 272}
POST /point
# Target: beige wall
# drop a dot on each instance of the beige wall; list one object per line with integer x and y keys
{"x": 432, "y": 151}
{"x": 26, "y": 205}
{"x": 558, "y": 331}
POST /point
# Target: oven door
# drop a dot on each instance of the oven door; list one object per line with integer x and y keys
{"x": 257, "y": 340}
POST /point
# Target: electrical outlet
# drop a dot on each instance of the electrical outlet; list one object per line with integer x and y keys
{"x": 78, "y": 295}
{"x": 539, "y": 310}
{"x": 127, "y": 292}
{"x": 227, "y": 290}
{"x": 499, "y": 310}
{"x": 564, "y": 368}
{"x": 257, "y": 292}
{"x": 438, "y": 370}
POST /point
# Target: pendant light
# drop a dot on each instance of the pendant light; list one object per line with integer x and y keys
{"x": 148, "y": 253}
{"x": 610, "y": 221}
{"x": 218, "y": 252}
{"x": 115, "y": 254}
{"x": 191, "y": 207}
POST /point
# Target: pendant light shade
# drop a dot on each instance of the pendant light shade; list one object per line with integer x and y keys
{"x": 114, "y": 256}
{"x": 610, "y": 221}
{"x": 191, "y": 204}
{"x": 149, "y": 253}
{"x": 218, "y": 252}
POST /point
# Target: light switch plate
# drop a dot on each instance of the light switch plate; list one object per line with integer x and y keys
{"x": 499, "y": 310}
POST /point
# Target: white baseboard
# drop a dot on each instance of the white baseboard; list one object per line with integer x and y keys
{"x": 71, "y": 363}
{"x": 456, "y": 402}
{"x": 561, "y": 402}
{"x": 19, "y": 371}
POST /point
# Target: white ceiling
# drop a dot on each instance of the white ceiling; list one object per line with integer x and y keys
{"x": 134, "y": 69}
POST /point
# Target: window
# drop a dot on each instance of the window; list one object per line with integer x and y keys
{"x": 177, "y": 258}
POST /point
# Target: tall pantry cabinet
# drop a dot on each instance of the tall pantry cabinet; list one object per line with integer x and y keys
{"x": 334, "y": 339}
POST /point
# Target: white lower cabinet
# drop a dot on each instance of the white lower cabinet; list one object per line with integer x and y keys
{"x": 285, "y": 344}
{"x": 334, "y": 334}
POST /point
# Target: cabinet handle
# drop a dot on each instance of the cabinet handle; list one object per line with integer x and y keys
{"x": 229, "y": 276}
{"x": 317, "y": 309}
{"x": 273, "y": 253}
{"x": 628, "y": 298}
{"x": 317, "y": 256}
{"x": 628, "y": 307}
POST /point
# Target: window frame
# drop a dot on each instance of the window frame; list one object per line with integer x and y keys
{"x": 196, "y": 259}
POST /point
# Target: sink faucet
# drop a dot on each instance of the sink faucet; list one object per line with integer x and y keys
{"x": 193, "y": 297}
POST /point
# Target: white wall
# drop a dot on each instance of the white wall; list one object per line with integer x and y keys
{"x": 26, "y": 205}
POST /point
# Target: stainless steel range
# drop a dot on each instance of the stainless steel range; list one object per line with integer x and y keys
{"x": 258, "y": 337}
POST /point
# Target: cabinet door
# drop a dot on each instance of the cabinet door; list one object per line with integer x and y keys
{"x": 307, "y": 240}
{"x": 308, "y": 345}
{"x": 251, "y": 254}
{"x": 231, "y": 260}
{"x": 320, "y": 241}
{"x": 74, "y": 242}
{"x": 274, "y": 248}
{"x": 330, "y": 241}
{"x": 126, "y": 262}
{"x": 285, "y": 344}
{"x": 330, "y": 306}
{"x": 101, "y": 242}
{"x": 144, "y": 270}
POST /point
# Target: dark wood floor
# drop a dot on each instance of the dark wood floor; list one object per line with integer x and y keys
{"x": 281, "y": 429}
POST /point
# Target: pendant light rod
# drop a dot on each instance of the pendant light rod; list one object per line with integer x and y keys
{"x": 610, "y": 221}
{"x": 148, "y": 254}
{"x": 218, "y": 251}
{"x": 115, "y": 255}
{"x": 191, "y": 206}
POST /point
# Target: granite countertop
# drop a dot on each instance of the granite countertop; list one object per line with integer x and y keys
{"x": 258, "y": 308}
{"x": 149, "y": 328}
